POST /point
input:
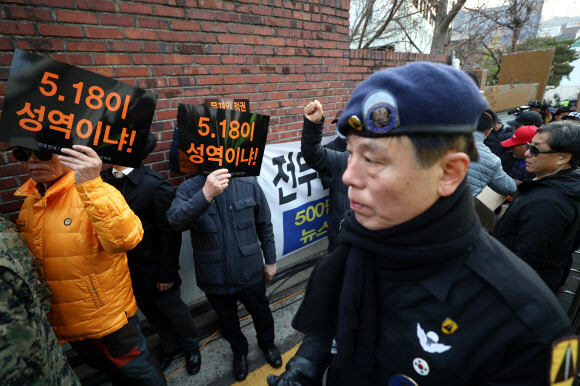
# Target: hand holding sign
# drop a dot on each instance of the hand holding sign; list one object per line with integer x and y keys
{"x": 216, "y": 183}
{"x": 87, "y": 165}
{"x": 313, "y": 111}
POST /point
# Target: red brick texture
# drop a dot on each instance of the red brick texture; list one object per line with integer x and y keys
{"x": 280, "y": 54}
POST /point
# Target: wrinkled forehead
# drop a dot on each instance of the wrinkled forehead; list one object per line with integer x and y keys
{"x": 377, "y": 144}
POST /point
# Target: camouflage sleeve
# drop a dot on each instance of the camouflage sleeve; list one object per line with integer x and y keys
{"x": 30, "y": 353}
{"x": 37, "y": 281}
{"x": 21, "y": 353}
{"x": 18, "y": 250}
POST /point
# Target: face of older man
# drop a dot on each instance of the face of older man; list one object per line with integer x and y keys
{"x": 543, "y": 164}
{"x": 386, "y": 186}
{"x": 46, "y": 172}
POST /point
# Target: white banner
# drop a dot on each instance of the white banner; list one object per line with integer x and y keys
{"x": 298, "y": 202}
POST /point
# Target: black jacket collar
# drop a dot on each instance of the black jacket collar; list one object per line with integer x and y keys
{"x": 135, "y": 176}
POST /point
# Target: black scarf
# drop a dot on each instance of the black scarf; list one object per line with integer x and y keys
{"x": 410, "y": 251}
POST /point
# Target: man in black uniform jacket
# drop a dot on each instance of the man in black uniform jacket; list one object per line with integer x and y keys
{"x": 416, "y": 291}
{"x": 154, "y": 263}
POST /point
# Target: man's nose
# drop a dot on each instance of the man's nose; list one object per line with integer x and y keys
{"x": 351, "y": 176}
{"x": 32, "y": 158}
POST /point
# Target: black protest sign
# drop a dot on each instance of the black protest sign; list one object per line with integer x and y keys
{"x": 229, "y": 104}
{"x": 217, "y": 103}
{"x": 211, "y": 139}
{"x": 50, "y": 105}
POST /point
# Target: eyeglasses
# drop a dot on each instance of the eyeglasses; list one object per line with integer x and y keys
{"x": 23, "y": 155}
{"x": 534, "y": 151}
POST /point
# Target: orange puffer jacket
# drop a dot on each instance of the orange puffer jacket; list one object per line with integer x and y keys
{"x": 79, "y": 234}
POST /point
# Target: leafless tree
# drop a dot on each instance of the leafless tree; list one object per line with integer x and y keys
{"x": 470, "y": 32}
{"x": 485, "y": 34}
{"x": 495, "y": 53}
{"x": 443, "y": 19}
{"x": 383, "y": 19}
{"x": 512, "y": 16}
{"x": 372, "y": 19}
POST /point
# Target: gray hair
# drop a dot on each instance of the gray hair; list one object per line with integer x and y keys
{"x": 564, "y": 137}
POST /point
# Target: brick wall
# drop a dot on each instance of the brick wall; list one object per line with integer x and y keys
{"x": 280, "y": 54}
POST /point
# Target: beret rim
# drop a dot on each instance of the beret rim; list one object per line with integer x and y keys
{"x": 416, "y": 129}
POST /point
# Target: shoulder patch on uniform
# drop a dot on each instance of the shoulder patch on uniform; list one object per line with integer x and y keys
{"x": 564, "y": 362}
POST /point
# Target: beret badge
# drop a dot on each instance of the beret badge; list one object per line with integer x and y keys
{"x": 354, "y": 123}
{"x": 381, "y": 114}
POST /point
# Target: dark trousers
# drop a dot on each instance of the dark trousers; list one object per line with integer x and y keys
{"x": 256, "y": 302}
{"x": 123, "y": 355}
{"x": 169, "y": 315}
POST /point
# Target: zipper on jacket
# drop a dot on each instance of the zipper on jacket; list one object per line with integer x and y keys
{"x": 96, "y": 293}
{"x": 224, "y": 233}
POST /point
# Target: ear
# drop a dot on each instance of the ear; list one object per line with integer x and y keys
{"x": 454, "y": 166}
{"x": 564, "y": 159}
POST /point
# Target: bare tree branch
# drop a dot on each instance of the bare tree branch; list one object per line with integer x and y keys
{"x": 387, "y": 19}
{"x": 396, "y": 5}
{"x": 491, "y": 53}
{"x": 514, "y": 15}
{"x": 446, "y": 22}
{"x": 354, "y": 31}
{"x": 496, "y": 59}
{"x": 367, "y": 17}
{"x": 443, "y": 20}
{"x": 408, "y": 37}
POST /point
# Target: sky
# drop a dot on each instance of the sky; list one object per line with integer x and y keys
{"x": 552, "y": 8}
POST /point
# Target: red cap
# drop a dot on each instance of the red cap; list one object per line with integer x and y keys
{"x": 521, "y": 136}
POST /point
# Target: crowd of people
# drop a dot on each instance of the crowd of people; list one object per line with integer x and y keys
{"x": 420, "y": 285}
{"x": 416, "y": 290}
{"x": 107, "y": 242}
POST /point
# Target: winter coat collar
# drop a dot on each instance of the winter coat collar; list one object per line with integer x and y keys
{"x": 59, "y": 187}
{"x": 566, "y": 181}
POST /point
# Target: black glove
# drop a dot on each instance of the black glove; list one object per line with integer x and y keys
{"x": 299, "y": 372}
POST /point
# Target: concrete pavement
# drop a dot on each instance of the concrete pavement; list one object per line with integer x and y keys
{"x": 285, "y": 294}
{"x": 216, "y": 355}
